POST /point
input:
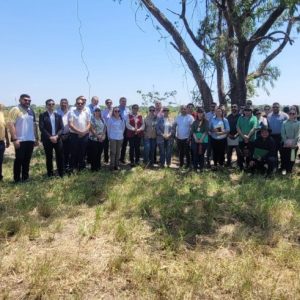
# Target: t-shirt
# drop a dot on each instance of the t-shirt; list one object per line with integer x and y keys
{"x": 246, "y": 125}
{"x": 23, "y": 121}
{"x": 99, "y": 127}
{"x": 220, "y": 124}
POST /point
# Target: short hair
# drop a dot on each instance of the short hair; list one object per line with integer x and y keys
{"x": 24, "y": 96}
{"x": 122, "y": 98}
{"x": 151, "y": 106}
{"x": 214, "y": 103}
{"x": 107, "y": 100}
{"x": 275, "y": 103}
{"x": 80, "y": 97}
{"x": 64, "y": 99}
{"x": 134, "y": 106}
{"x": 48, "y": 101}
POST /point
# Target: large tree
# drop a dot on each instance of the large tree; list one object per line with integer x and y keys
{"x": 223, "y": 36}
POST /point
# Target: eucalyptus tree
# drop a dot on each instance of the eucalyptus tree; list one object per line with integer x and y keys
{"x": 227, "y": 44}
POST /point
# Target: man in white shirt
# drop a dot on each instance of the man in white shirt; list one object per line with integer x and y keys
{"x": 79, "y": 124}
{"x": 183, "y": 123}
{"x": 23, "y": 130}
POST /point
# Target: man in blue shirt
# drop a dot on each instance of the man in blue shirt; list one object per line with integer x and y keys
{"x": 275, "y": 120}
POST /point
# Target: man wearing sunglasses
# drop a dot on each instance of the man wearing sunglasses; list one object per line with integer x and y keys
{"x": 23, "y": 130}
{"x": 79, "y": 124}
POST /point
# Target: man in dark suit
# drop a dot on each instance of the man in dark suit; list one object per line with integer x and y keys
{"x": 51, "y": 127}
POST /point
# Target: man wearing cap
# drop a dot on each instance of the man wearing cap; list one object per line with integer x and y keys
{"x": 263, "y": 153}
{"x": 23, "y": 131}
{"x": 246, "y": 128}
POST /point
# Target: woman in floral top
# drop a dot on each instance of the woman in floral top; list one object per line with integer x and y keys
{"x": 96, "y": 139}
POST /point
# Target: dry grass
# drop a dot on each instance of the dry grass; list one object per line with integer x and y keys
{"x": 151, "y": 235}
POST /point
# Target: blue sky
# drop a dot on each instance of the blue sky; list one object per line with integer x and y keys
{"x": 40, "y": 54}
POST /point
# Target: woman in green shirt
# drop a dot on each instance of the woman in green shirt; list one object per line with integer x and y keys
{"x": 200, "y": 129}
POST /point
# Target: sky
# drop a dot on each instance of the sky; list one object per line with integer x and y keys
{"x": 40, "y": 54}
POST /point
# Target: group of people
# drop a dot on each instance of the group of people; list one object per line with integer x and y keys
{"x": 79, "y": 135}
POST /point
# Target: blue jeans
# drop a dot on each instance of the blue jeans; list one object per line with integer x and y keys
{"x": 149, "y": 148}
{"x": 165, "y": 152}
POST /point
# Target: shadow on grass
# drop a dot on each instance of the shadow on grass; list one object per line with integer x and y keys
{"x": 189, "y": 207}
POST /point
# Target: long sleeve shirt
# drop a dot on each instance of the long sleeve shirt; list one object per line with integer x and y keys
{"x": 290, "y": 130}
{"x": 115, "y": 128}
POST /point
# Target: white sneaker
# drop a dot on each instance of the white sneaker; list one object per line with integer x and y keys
{"x": 283, "y": 172}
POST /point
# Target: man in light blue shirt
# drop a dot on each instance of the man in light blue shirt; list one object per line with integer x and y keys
{"x": 275, "y": 120}
{"x": 94, "y": 103}
{"x": 124, "y": 111}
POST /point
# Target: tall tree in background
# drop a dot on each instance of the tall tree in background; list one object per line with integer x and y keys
{"x": 222, "y": 38}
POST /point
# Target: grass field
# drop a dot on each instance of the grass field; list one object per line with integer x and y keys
{"x": 149, "y": 234}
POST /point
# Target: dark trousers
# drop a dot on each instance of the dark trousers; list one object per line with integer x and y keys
{"x": 124, "y": 146}
{"x": 260, "y": 165}
{"x": 277, "y": 139}
{"x": 229, "y": 153}
{"x": 244, "y": 153}
{"x": 78, "y": 151}
{"x": 286, "y": 163}
{"x": 134, "y": 149}
{"x": 59, "y": 157}
{"x": 218, "y": 147}
{"x": 2, "y": 149}
{"x": 184, "y": 151}
{"x": 209, "y": 150}
{"x": 22, "y": 160}
{"x": 106, "y": 149}
{"x": 66, "y": 142}
{"x": 198, "y": 155}
{"x": 96, "y": 149}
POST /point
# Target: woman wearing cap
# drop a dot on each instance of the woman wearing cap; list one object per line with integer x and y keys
{"x": 115, "y": 131}
{"x": 200, "y": 129}
{"x": 96, "y": 139}
{"x": 290, "y": 134}
{"x": 165, "y": 137}
{"x": 219, "y": 129}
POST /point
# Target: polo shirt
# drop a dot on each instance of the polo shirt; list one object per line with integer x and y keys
{"x": 246, "y": 125}
{"x": 23, "y": 121}
{"x": 183, "y": 127}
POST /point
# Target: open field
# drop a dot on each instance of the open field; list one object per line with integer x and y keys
{"x": 149, "y": 234}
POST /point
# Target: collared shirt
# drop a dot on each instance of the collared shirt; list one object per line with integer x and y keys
{"x": 219, "y": 123}
{"x": 91, "y": 107}
{"x": 276, "y": 121}
{"x": 23, "y": 121}
{"x": 183, "y": 126}
{"x": 106, "y": 114}
{"x": 246, "y": 125}
{"x": 124, "y": 112}
{"x": 210, "y": 115}
{"x": 2, "y": 126}
{"x": 115, "y": 128}
{"x": 80, "y": 119}
{"x": 52, "y": 120}
{"x": 64, "y": 116}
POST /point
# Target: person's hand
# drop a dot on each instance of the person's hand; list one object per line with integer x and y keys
{"x": 246, "y": 139}
{"x": 53, "y": 139}
{"x": 16, "y": 144}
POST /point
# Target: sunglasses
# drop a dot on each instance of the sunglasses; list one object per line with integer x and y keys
{"x": 79, "y": 103}
{"x": 50, "y": 104}
{"x": 276, "y": 107}
{"x": 116, "y": 111}
{"x": 27, "y": 100}
{"x": 292, "y": 114}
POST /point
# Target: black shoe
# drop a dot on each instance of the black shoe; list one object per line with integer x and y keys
{"x": 116, "y": 168}
{"x": 122, "y": 161}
